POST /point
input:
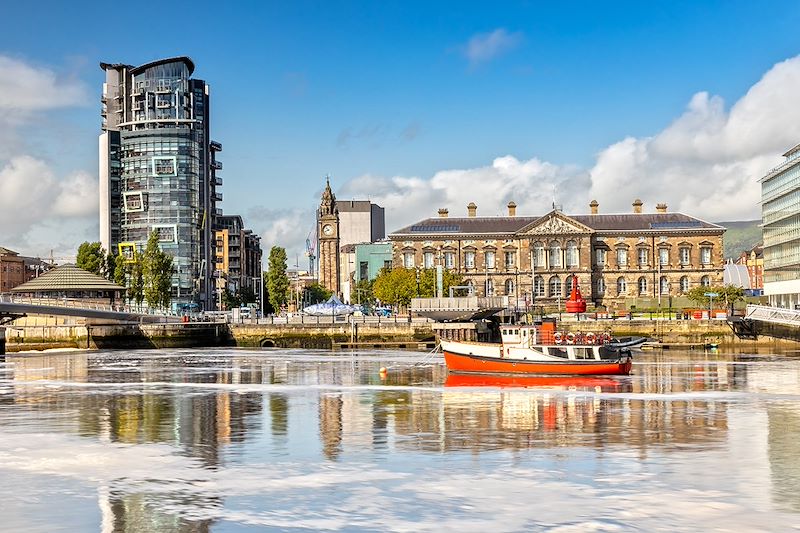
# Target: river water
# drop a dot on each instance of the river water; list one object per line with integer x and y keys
{"x": 273, "y": 439}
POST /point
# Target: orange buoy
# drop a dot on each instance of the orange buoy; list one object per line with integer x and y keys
{"x": 382, "y": 372}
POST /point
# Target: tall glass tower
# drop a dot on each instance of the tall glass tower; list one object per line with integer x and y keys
{"x": 158, "y": 170}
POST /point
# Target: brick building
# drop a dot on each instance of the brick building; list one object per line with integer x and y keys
{"x": 620, "y": 260}
{"x": 12, "y": 269}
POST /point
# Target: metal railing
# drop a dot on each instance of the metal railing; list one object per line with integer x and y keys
{"x": 78, "y": 303}
{"x": 775, "y": 315}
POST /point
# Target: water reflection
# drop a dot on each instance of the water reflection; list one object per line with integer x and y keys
{"x": 224, "y": 410}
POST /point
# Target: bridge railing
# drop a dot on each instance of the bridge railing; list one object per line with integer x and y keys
{"x": 776, "y": 315}
{"x": 77, "y": 303}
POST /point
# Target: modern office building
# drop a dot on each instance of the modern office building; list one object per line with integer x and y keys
{"x": 360, "y": 221}
{"x": 780, "y": 214}
{"x": 158, "y": 170}
{"x": 238, "y": 256}
{"x": 620, "y": 260}
{"x": 371, "y": 259}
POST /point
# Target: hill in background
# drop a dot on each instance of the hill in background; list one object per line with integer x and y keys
{"x": 741, "y": 235}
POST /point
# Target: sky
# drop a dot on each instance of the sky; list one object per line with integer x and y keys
{"x": 414, "y": 105}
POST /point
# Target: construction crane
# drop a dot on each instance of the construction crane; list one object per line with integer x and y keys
{"x": 311, "y": 249}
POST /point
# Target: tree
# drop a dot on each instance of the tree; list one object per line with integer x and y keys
{"x": 120, "y": 271}
{"x": 427, "y": 284}
{"x": 727, "y": 295}
{"x": 91, "y": 257}
{"x": 396, "y": 286}
{"x": 268, "y": 309}
{"x": 110, "y": 266}
{"x": 277, "y": 280}
{"x": 229, "y": 299}
{"x": 362, "y": 293}
{"x": 157, "y": 273}
{"x": 136, "y": 280}
{"x": 316, "y": 293}
{"x": 246, "y": 295}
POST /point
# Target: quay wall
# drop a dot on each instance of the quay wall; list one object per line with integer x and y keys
{"x": 326, "y": 336}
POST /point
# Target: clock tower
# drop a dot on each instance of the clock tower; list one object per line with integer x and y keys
{"x": 328, "y": 234}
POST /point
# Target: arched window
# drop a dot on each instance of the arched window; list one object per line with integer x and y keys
{"x": 705, "y": 281}
{"x": 684, "y": 284}
{"x": 663, "y": 285}
{"x": 622, "y": 285}
{"x": 555, "y": 286}
{"x": 572, "y": 254}
{"x": 538, "y": 286}
{"x": 642, "y": 286}
{"x": 509, "y": 286}
{"x": 469, "y": 283}
{"x": 568, "y": 285}
{"x": 601, "y": 286}
{"x": 489, "y": 287}
{"x": 555, "y": 254}
{"x": 538, "y": 254}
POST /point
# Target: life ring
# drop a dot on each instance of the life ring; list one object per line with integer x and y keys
{"x": 557, "y": 337}
{"x": 607, "y": 337}
{"x": 590, "y": 338}
{"x": 570, "y": 338}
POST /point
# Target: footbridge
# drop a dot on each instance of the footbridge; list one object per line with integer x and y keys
{"x": 769, "y": 321}
{"x": 13, "y": 307}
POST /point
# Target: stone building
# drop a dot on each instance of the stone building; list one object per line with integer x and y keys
{"x": 12, "y": 269}
{"x": 620, "y": 260}
{"x": 754, "y": 261}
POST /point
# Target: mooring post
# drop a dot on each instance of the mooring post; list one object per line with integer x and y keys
{"x": 2, "y": 340}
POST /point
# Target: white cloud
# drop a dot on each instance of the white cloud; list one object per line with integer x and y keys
{"x": 27, "y": 88}
{"x": 40, "y": 209}
{"x": 484, "y": 47}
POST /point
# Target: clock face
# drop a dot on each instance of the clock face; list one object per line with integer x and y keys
{"x": 327, "y": 229}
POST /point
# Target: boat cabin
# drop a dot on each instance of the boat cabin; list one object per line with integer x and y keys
{"x": 539, "y": 337}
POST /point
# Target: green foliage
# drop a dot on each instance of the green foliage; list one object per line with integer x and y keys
{"x": 246, "y": 295}
{"x": 120, "y": 271}
{"x": 427, "y": 283}
{"x": 727, "y": 295}
{"x": 91, "y": 257}
{"x": 315, "y": 293}
{"x": 396, "y": 286}
{"x": 229, "y": 299}
{"x": 268, "y": 309}
{"x": 157, "y": 272}
{"x": 277, "y": 280}
{"x": 109, "y": 267}
{"x": 136, "y": 280}
{"x": 740, "y": 236}
{"x": 362, "y": 293}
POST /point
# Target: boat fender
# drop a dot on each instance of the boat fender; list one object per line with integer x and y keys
{"x": 557, "y": 337}
{"x": 570, "y": 338}
{"x": 590, "y": 338}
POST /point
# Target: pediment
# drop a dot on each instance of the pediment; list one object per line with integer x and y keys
{"x": 555, "y": 223}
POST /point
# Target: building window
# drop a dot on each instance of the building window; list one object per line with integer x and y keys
{"x": 705, "y": 255}
{"x": 449, "y": 260}
{"x": 663, "y": 256}
{"x": 363, "y": 270}
{"x": 601, "y": 286}
{"x": 538, "y": 286}
{"x": 642, "y": 286}
{"x": 509, "y": 286}
{"x": 622, "y": 286}
{"x": 555, "y": 287}
{"x": 705, "y": 281}
{"x": 600, "y": 256}
{"x": 469, "y": 259}
{"x": 387, "y": 265}
{"x": 489, "y": 287}
{"x": 538, "y": 255}
{"x": 427, "y": 260}
{"x": 572, "y": 254}
{"x": 622, "y": 257}
{"x": 684, "y": 284}
{"x": 643, "y": 257}
{"x": 663, "y": 285}
{"x": 685, "y": 256}
{"x": 555, "y": 254}
{"x": 488, "y": 258}
{"x": 511, "y": 260}
{"x": 408, "y": 259}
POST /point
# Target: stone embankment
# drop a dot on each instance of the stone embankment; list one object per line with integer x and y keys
{"x": 400, "y": 334}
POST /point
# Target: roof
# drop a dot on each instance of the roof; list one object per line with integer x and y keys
{"x": 508, "y": 225}
{"x": 736, "y": 275}
{"x": 182, "y": 59}
{"x": 68, "y": 278}
{"x": 353, "y": 206}
{"x": 6, "y": 251}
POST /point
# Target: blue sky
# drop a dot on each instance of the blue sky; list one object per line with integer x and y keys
{"x": 387, "y": 96}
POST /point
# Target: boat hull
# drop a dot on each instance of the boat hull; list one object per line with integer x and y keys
{"x": 488, "y": 364}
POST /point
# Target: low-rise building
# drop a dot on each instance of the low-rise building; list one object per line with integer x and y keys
{"x": 753, "y": 260}
{"x": 620, "y": 260}
{"x": 71, "y": 282}
{"x": 238, "y": 256}
{"x": 12, "y": 269}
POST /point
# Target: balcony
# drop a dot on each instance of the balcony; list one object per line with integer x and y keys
{"x": 217, "y": 181}
{"x": 218, "y": 212}
{"x": 163, "y": 89}
{"x": 215, "y": 146}
{"x": 216, "y": 196}
{"x": 216, "y": 165}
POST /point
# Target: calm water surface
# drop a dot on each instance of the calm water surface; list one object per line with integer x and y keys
{"x": 241, "y": 440}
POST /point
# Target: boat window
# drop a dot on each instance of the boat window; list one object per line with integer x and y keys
{"x": 558, "y": 352}
{"x": 581, "y": 353}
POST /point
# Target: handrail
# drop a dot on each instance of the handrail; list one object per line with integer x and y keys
{"x": 76, "y": 303}
{"x": 777, "y": 315}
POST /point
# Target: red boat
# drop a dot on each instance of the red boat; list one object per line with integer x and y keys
{"x": 533, "y": 349}
{"x": 502, "y": 381}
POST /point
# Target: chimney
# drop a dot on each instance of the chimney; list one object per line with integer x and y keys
{"x": 637, "y": 206}
{"x": 512, "y": 209}
{"x": 472, "y": 209}
{"x": 593, "y": 205}
{"x": 443, "y": 213}
{"x": 661, "y": 208}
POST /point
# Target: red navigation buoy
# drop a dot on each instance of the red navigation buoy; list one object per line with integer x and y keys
{"x": 575, "y": 302}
